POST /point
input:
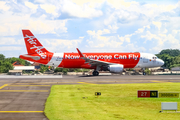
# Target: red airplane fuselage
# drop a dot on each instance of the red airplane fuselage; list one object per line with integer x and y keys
{"x": 114, "y": 62}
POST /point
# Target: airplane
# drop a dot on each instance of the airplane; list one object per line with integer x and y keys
{"x": 112, "y": 62}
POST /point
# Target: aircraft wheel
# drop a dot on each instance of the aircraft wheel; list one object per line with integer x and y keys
{"x": 95, "y": 73}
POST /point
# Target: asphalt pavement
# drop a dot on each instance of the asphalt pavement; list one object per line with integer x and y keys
{"x": 24, "y": 97}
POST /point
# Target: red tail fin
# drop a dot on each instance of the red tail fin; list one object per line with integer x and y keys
{"x": 32, "y": 44}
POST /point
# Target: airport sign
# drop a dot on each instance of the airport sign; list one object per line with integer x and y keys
{"x": 148, "y": 93}
{"x": 168, "y": 95}
{"x": 154, "y": 94}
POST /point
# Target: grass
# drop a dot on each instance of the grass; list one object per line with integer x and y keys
{"x": 117, "y": 102}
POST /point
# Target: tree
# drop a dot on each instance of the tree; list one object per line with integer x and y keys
{"x": 171, "y": 52}
{"x": 170, "y": 57}
{"x": 43, "y": 68}
{"x": 147, "y": 71}
{"x": 23, "y": 62}
{"x": 6, "y": 63}
{"x": 58, "y": 70}
{"x": 5, "y": 67}
{"x": 2, "y": 57}
{"x": 174, "y": 65}
{"x": 64, "y": 70}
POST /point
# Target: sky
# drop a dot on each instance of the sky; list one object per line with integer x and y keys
{"x": 91, "y": 25}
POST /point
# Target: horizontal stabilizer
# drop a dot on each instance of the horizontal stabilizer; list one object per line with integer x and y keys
{"x": 32, "y": 57}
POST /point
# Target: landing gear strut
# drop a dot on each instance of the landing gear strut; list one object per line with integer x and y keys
{"x": 144, "y": 73}
{"x": 95, "y": 73}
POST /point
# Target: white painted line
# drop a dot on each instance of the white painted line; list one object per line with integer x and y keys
{"x": 31, "y": 76}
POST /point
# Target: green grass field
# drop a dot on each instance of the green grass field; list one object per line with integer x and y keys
{"x": 117, "y": 102}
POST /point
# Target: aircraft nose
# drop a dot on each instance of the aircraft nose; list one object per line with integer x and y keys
{"x": 161, "y": 62}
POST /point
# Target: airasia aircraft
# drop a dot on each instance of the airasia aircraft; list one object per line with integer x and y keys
{"x": 113, "y": 62}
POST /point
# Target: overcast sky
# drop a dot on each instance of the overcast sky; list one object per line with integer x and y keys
{"x": 91, "y": 25}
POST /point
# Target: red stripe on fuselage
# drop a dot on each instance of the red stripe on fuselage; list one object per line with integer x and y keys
{"x": 72, "y": 60}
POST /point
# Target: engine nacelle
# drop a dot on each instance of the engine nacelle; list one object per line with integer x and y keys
{"x": 117, "y": 68}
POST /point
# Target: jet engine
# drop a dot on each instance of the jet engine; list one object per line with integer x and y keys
{"x": 117, "y": 68}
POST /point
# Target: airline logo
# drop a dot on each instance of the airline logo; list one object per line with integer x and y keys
{"x": 37, "y": 49}
{"x": 33, "y": 45}
{"x": 116, "y": 56}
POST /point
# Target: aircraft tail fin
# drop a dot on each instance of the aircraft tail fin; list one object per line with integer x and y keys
{"x": 33, "y": 46}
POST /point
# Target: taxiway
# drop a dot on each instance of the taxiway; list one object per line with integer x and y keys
{"x": 23, "y": 98}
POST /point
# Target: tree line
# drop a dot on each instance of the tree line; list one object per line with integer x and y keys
{"x": 6, "y": 63}
{"x": 171, "y": 58}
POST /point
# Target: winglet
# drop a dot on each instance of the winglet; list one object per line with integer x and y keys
{"x": 81, "y": 55}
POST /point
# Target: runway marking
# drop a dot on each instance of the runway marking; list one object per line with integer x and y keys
{"x": 28, "y": 85}
{"x": 21, "y": 111}
{"x": 159, "y": 81}
{"x": 46, "y": 83}
{"x": 86, "y": 83}
{"x": 3, "y": 86}
{"x": 24, "y": 91}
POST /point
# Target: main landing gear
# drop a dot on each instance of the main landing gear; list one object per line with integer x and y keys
{"x": 95, "y": 73}
{"x": 144, "y": 73}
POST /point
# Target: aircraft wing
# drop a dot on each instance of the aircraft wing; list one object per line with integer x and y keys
{"x": 98, "y": 62}
{"x": 93, "y": 62}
